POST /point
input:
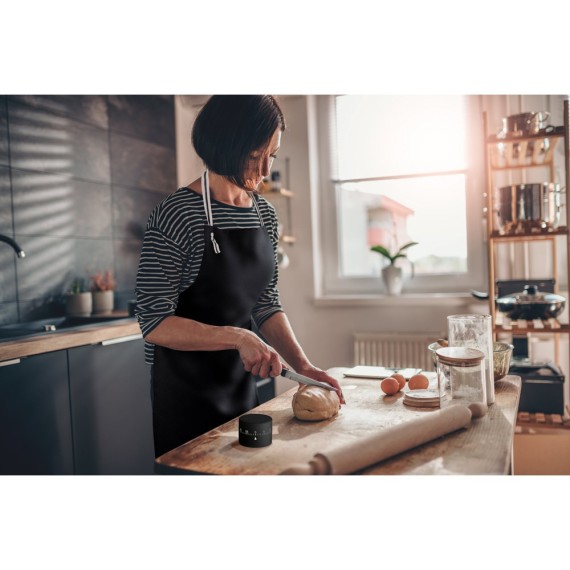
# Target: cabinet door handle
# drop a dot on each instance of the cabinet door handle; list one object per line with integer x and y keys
{"x": 122, "y": 339}
{"x": 10, "y": 362}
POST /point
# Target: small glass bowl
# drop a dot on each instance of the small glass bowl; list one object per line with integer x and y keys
{"x": 502, "y": 353}
{"x": 432, "y": 348}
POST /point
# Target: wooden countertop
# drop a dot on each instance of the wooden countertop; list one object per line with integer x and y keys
{"x": 61, "y": 340}
{"x": 483, "y": 448}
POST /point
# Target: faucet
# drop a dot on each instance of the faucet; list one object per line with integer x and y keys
{"x": 19, "y": 251}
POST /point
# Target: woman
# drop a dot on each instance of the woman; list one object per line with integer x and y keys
{"x": 207, "y": 268}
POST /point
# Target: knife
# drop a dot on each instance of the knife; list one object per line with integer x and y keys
{"x": 304, "y": 379}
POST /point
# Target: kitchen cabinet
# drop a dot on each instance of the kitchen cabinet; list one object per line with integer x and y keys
{"x": 530, "y": 155}
{"x": 35, "y": 420}
{"x": 111, "y": 408}
{"x": 84, "y": 409}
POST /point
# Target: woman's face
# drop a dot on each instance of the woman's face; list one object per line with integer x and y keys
{"x": 261, "y": 161}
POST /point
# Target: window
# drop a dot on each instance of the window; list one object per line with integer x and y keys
{"x": 399, "y": 169}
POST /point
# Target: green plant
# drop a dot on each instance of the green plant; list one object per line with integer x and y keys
{"x": 391, "y": 257}
{"x": 77, "y": 286}
{"x": 103, "y": 281}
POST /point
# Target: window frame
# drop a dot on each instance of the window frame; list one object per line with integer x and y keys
{"x": 328, "y": 280}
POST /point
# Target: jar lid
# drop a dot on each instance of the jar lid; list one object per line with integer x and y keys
{"x": 459, "y": 355}
{"x": 423, "y": 398}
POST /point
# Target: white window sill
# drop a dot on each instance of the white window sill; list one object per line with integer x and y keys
{"x": 409, "y": 300}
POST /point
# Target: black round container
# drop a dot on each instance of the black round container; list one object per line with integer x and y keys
{"x": 255, "y": 430}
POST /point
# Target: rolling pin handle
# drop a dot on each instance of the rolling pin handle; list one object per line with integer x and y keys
{"x": 298, "y": 469}
{"x": 319, "y": 465}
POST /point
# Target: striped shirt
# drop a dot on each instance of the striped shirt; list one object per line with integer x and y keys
{"x": 172, "y": 252}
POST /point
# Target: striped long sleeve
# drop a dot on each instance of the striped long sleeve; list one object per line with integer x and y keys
{"x": 172, "y": 252}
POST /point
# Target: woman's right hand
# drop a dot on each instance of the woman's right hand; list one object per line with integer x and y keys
{"x": 257, "y": 356}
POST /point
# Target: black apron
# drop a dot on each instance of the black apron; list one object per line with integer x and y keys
{"x": 196, "y": 391}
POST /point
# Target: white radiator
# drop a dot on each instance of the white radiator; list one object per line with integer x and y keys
{"x": 394, "y": 350}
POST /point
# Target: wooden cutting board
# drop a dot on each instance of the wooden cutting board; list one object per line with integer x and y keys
{"x": 483, "y": 448}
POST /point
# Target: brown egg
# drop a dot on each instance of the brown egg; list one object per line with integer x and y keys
{"x": 401, "y": 380}
{"x": 418, "y": 382}
{"x": 389, "y": 386}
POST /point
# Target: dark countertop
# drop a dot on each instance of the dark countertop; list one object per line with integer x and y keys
{"x": 119, "y": 325}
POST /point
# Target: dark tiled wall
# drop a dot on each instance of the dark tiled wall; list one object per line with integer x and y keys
{"x": 79, "y": 176}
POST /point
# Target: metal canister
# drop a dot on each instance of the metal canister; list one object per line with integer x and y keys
{"x": 525, "y": 123}
{"x": 551, "y": 205}
{"x": 524, "y": 207}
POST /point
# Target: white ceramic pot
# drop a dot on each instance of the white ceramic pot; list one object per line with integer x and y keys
{"x": 79, "y": 304}
{"x": 392, "y": 277}
{"x": 103, "y": 302}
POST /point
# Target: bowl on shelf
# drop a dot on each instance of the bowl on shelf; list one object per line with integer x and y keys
{"x": 502, "y": 354}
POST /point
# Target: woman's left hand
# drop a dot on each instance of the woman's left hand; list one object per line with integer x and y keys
{"x": 322, "y": 376}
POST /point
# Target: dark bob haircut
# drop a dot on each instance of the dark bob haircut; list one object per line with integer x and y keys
{"x": 230, "y": 127}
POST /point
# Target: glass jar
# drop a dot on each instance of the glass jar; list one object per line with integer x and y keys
{"x": 475, "y": 331}
{"x": 460, "y": 375}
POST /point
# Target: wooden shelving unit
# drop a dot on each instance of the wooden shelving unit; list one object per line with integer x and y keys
{"x": 276, "y": 193}
{"x": 508, "y": 153}
{"x": 281, "y": 199}
{"x": 526, "y": 152}
{"x": 522, "y": 326}
{"x": 536, "y": 235}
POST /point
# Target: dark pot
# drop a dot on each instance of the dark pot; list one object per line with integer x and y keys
{"x": 526, "y": 123}
{"x": 523, "y": 207}
{"x": 531, "y": 304}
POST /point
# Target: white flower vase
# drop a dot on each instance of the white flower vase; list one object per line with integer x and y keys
{"x": 103, "y": 302}
{"x": 392, "y": 277}
{"x": 79, "y": 304}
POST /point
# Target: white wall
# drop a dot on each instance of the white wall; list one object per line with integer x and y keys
{"x": 189, "y": 166}
{"x": 325, "y": 329}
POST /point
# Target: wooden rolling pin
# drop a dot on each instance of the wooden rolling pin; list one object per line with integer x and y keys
{"x": 389, "y": 442}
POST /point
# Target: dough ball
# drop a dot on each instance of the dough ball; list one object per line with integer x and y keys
{"x": 312, "y": 403}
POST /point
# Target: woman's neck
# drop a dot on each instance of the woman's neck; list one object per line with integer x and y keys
{"x": 222, "y": 190}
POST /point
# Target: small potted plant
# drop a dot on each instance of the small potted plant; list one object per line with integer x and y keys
{"x": 103, "y": 287}
{"x": 392, "y": 274}
{"x": 78, "y": 301}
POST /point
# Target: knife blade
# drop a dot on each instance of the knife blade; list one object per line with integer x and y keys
{"x": 304, "y": 379}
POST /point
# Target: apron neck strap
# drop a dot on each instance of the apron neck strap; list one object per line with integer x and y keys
{"x": 205, "y": 181}
{"x": 208, "y": 209}
{"x": 206, "y": 198}
{"x": 254, "y": 200}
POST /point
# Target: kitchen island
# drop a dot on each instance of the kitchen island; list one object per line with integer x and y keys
{"x": 483, "y": 448}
